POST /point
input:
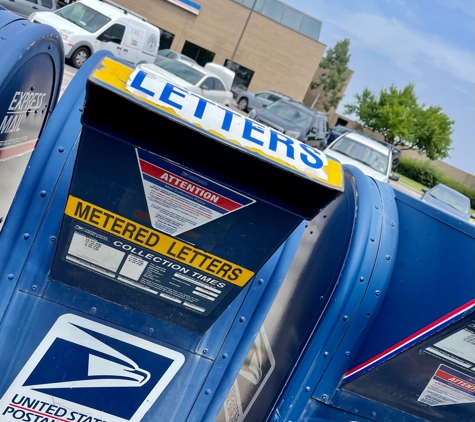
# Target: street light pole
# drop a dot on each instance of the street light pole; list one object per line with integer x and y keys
{"x": 243, "y": 30}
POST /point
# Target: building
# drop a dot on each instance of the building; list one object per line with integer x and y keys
{"x": 275, "y": 46}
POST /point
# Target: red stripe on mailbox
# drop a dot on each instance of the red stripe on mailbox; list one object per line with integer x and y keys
{"x": 17, "y": 150}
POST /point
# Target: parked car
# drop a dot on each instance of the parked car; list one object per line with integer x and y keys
{"x": 335, "y": 132}
{"x": 166, "y": 54}
{"x": 62, "y": 3}
{"x": 27, "y": 7}
{"x": 396, "y": 153}
{"x": 370, "y": 156}
{"x": 294, "y": 119}
{"x": 212, "y": 81}
{"x": 237, "y": 89}
{"x": 248, "y": 101}
{"x": 449, "y": 200}
{"x": 88, "y": 26}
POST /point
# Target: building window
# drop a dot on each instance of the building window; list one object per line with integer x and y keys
{"x": 273, "y": 10}
{"x": 341, "y": 122}
{"x": 292, "y": 18}
{"x": 113, "y": 34}
{"x": 243, "y": 74}
{"x": 166, "y": 39}
{"x": 197, "y": 53}
{"x": 310, "y": 27}
{"x": 286, "y": 15}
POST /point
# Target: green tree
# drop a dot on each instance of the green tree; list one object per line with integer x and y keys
{"x": 334, "y": 75}
{"x": 432, "y": 130}
{"x": 397, "y": 115}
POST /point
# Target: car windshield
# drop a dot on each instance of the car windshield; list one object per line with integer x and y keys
{"x": 183, "y": 71}
{"x": 363, "y": 153}
{"x": 187, "y": 59}
{"x": 452, "y": 199}
{"x": 292, "y": 114}
{"x": 340, "y": 129}
{"x": 83, "y": 16}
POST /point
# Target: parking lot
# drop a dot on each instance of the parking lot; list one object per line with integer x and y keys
{"x": 69, "y": 73}
{"x": 12, "y": 170}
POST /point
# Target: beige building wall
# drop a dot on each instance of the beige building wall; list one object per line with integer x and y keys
{"x": 466, "y": 178}
{"x": 353, "y": 125}
{"x": 282, "y": 59}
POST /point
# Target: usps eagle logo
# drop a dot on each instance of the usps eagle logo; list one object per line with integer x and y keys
{"x": 85, "y": 368}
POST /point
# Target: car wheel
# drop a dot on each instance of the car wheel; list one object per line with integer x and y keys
{"x": 80, "y": 56}
{"x": 242, "y": 104}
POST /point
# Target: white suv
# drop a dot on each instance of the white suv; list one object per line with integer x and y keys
{"x": 371, "y": 157}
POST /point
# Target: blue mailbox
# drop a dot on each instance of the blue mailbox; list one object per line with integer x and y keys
{"x": 168, "y": 259}
{"x": 385, "y": 329}
{"x": 31, "y": 70}
{"x": 155, "y": 240}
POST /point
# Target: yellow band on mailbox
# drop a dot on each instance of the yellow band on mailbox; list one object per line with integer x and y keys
{"x": 158, "y": 242}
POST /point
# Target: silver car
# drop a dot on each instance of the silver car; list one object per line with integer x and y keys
{"x": 26, "y": 8}
{"x": 248, "y": 101}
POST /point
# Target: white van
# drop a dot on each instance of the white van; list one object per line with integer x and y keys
{"x": 91, "y": 25}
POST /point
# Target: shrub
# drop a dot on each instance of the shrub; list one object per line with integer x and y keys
{"x": 422, "y": 172}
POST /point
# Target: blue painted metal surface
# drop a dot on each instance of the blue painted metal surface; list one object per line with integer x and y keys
{"x": 431, "y": 297}
{"x": 244, "y": 330}
{"x": 434, "y": 262}
{"x": 339, "y": 322}
{"x": 340, "y": 371}
{"x": 27, "y": 97}
{"x": 351, "y": 295}
{"x": 393, "y": 321}
{"x": 31, "y": 70}
{"x": 54, "y": 158}
{"x": 30, "y": 298}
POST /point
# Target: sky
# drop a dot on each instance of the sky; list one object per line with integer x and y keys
{"x": 430, "y": 43}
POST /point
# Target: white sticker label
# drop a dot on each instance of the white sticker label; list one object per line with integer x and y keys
{"x": 458, "y": 348}
{"x": 180, "y": 200}
{"x": 133, "y": 267}
{"x": 91, "y": 250}
{"x": 85, "y": 371}
{"x": 448, "y": 387}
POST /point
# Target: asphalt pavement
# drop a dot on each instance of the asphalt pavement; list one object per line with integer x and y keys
{"x": 406, "y": 189}
{"x": 69, "y": 73}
